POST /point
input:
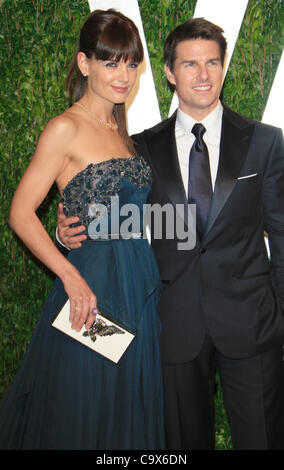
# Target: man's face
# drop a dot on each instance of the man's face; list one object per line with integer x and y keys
{"x": 197, "y": 76}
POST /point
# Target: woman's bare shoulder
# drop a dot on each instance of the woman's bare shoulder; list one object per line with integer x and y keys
{"x": 63, "y": 126}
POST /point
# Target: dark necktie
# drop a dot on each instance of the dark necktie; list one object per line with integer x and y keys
{"x": 199, "y": 178}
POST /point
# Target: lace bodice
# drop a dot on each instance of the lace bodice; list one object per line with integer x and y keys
{"x": 129, "y": 179}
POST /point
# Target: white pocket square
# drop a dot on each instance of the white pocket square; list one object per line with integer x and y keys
{"x": 247, "y": 176}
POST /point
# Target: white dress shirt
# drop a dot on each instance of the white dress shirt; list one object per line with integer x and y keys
{"x": 185, "y": 139}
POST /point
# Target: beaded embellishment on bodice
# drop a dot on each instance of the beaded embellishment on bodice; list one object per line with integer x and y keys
{"x": 99, "y": 182}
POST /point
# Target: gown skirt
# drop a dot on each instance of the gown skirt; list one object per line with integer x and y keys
{"x": 65, "y": 395}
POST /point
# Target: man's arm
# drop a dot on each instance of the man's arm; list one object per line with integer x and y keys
{"x": 68, "y": 236}
{"x": 273, "y": 203}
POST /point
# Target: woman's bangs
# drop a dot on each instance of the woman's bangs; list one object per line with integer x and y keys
{"x": 110, "y": 49}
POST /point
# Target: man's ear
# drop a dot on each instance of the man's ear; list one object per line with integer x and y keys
{"x": 83, "y": 63}
{"x": 169, "y": 74}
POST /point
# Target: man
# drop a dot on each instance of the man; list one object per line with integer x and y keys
{"x": 223, "y": 301}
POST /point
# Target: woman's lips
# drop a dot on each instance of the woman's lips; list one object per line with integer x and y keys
{"x": 120, "y": 89}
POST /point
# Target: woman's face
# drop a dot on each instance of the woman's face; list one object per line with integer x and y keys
{"x": 108, "y": 80}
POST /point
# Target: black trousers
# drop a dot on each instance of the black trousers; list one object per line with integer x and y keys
{"x": 253, "y": 392}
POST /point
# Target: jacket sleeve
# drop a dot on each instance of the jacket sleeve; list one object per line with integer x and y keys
{"x": 273, "y": 206}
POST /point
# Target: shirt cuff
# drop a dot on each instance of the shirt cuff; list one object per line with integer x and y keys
{"x": 58, "y": 239}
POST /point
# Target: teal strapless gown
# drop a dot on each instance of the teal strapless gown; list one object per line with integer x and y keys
{"x": 66, "y": 396}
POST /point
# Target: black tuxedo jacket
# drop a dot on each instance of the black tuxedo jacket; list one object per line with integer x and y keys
{"x": 226, "y": 284}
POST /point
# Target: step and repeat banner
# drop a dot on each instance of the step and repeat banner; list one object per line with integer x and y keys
{"x": 38, "y": 40}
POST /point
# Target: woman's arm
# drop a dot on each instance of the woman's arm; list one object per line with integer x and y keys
{"x": 48, "y": 162}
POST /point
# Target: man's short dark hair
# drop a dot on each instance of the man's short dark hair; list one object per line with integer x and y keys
{"x": 194, "y": 28}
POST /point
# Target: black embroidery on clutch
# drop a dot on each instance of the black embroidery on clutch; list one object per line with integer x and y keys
{"x": 100, "y": 328}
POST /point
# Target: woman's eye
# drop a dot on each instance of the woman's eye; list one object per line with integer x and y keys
{"x": 133, "y": 65}
{"x": 111, "y": 64}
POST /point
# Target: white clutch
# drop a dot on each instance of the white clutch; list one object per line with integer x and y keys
{"x": 106, "y": 337}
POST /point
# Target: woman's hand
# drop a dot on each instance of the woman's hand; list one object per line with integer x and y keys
{"x": 83, "y": 302}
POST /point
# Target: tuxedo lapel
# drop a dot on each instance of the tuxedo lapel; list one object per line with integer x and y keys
{"x": 235, "y": 139}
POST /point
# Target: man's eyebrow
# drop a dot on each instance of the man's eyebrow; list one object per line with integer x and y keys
{"x": 188, "y": 60}
{"x": 215, "y": 59}
{"x": 185, "y": 61}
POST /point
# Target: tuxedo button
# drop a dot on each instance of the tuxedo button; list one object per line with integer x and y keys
{"x": 202, "y": 250}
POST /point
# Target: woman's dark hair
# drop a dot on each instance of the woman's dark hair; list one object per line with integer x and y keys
{"x": 105, "y": 35}
{"x": 194, "y": 28}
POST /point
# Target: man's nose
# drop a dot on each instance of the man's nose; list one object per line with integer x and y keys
{"x": 203, "y": 72}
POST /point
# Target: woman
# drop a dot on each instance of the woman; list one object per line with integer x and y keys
{"x": 66, "y": 396}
